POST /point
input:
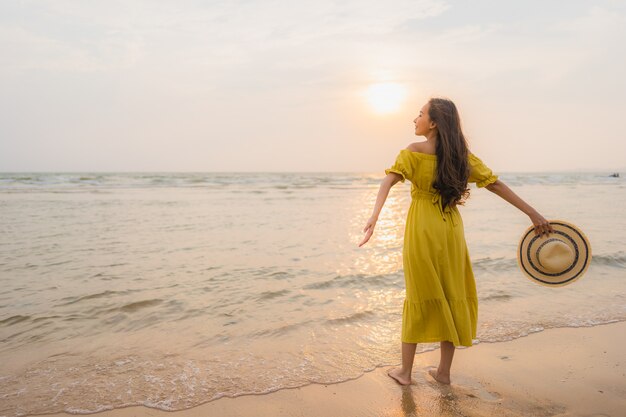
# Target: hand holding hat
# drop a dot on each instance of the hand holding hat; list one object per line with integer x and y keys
{"x": 541, "y": 224}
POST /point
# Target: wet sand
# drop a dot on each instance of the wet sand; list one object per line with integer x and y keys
{"x": 557, "y": 372}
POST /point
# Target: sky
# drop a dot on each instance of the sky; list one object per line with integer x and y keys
{"x": 308, "y": 86}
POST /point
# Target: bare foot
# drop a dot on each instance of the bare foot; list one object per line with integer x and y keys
{"x": 402, "y": 379}
{"x": 444, "y": 379}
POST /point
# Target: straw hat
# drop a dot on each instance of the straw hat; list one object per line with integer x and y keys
{"x": 556, "y": 259}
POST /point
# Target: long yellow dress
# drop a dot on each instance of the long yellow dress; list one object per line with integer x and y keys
{"x": 441, "y": 302}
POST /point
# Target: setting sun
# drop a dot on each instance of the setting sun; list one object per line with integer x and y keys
{"x": 386, "y": 97}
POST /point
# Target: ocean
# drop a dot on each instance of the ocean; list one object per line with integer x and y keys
{"x": 170, "y": 290}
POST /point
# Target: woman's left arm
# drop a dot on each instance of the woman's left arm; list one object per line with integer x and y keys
{"x": 541, "y": 224}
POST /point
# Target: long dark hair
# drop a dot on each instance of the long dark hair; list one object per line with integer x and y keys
{"x": 452, "y": 152}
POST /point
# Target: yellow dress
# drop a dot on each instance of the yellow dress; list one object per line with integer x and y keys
{"x": 441, "y": 302}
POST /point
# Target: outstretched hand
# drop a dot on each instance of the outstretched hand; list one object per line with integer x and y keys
{"x": 368, "y": 230}
{"x": 542, "y": 226}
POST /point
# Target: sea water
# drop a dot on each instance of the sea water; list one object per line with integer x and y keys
{"x": 170, "y": 290}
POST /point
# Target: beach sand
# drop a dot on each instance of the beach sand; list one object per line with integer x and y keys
{"x": 557, "y": 372}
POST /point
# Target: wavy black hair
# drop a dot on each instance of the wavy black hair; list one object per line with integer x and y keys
{"x": 453, "y": 168}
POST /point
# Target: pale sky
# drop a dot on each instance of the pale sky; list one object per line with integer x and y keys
{"x": 282, "y": 85}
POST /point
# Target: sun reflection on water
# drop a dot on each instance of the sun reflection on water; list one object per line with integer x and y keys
{"x": 383, "y": 253}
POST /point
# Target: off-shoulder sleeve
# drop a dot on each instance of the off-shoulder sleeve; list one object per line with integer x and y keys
{"x": 404, "y": 165}
{"x": 480, "y": 173}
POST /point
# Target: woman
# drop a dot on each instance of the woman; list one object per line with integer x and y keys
{"x": 441, "y": 303}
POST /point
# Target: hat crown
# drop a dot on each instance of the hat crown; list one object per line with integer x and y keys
{"x": 555, "y": 255}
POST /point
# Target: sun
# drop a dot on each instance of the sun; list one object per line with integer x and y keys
{"x": 386, "y": 97}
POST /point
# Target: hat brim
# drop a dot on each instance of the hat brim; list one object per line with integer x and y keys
{"x": 567, "y": 233}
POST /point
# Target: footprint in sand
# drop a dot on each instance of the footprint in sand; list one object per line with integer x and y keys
{"x": 464, "y": 386}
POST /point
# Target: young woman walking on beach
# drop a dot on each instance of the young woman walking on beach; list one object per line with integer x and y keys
{"x": 441, "y": 304}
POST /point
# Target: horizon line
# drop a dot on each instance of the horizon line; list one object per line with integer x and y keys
{"x": 570, "y": 171}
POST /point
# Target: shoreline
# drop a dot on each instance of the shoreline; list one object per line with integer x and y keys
{"x": 563, "y": 372}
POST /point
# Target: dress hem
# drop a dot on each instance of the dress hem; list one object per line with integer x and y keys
{"x": 456, "y": 320}
{"x": 438, "y": 339}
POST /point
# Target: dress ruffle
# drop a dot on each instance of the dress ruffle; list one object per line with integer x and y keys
{"x": 435, "y": 320}
{"x": 397, "y": 171}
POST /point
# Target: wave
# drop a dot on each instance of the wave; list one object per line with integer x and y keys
{"x": 106, "y": 293}
{"x": 497, "y": 296}
{"x": 138, "y": 305}
{"x": 361, "y": 315}
{"x": 280, "y": 330}
{"x": 617, "y": 260}
{"x": 495, "y": 264}
{"x": 14, "y": 319}
{"x": 254, "y": 181}
{"x": 358, "y": 281}
{"x": 269, "y": 295}
{"x": 508, "y": 333}
{"x": 130, "y": 375}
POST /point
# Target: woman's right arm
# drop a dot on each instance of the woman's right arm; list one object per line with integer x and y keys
{"x": 389, "y": 181}
{"x": 501, "y": 189}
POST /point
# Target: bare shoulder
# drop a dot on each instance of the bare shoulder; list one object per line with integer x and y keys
{"x": 422, "y": 147}
{"x": 416, "y": 147}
